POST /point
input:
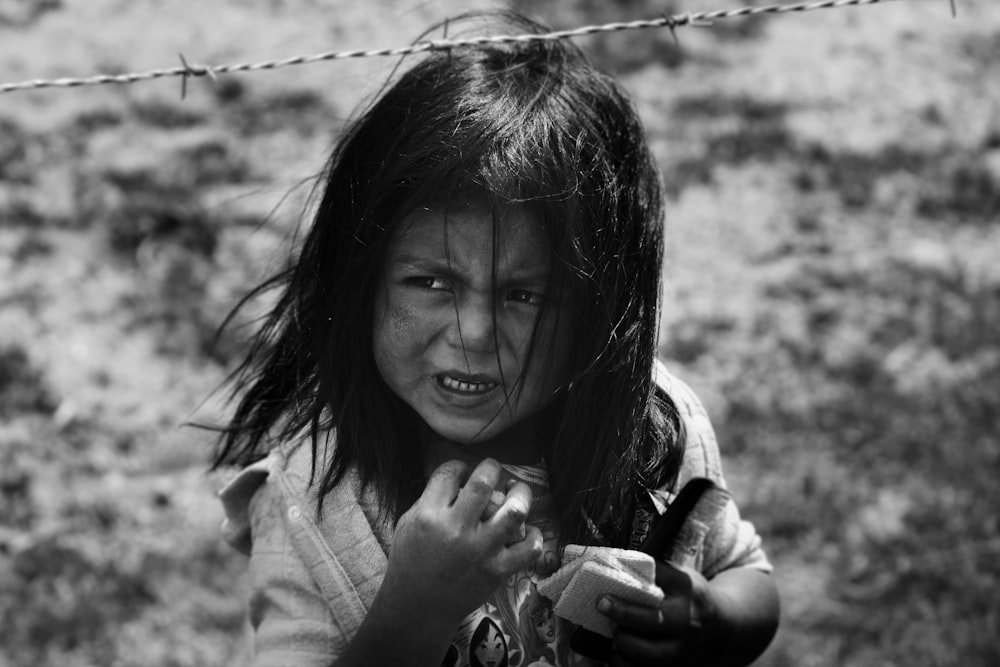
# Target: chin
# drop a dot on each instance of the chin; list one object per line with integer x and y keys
{"x": 466, "y": 434}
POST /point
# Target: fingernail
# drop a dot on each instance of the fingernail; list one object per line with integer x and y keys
{"x": 603, "y": 605}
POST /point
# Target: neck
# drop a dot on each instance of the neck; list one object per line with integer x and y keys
{"x": 522, "y": 444}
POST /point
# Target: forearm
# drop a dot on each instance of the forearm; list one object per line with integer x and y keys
{"x": 744, "y": 611}
{"x": 394, "y": 635}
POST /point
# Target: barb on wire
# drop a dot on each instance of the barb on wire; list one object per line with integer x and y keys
{"x": 670, "y": 22}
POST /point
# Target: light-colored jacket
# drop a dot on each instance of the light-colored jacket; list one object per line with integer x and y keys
{"x": 313, "y": 579}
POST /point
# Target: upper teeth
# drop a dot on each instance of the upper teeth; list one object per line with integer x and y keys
{"x": 459, "y": 385}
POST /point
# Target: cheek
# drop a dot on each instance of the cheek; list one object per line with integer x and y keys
{"x": 399, "y": 323}
{"x": 397, "y": 340}
{"x": 393, "y": 317}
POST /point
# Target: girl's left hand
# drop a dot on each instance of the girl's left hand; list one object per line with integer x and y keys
{"x": 675, "y": 633}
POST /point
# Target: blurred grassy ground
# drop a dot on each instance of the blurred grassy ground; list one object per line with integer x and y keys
{"x": 834, "y": 295}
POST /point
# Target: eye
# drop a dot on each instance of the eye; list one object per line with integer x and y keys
{"x": 430, "y": 283}
{"x": 526, "y": 297}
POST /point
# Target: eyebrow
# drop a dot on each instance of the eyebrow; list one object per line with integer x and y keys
{"x": 408, "y": 258}
{"x": 522, "y": 271}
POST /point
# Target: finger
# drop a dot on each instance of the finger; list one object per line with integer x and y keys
{"x": 522, "y": 554}
{"x": 496, "y": 500}
{"x": 673, "y": 580}
{"x": 633, "y": 649}
{"x": 444, "y": 482}
{"x": 668, "y": 619}
{"x": 494, "y": 504}
{"x": 513, "y": 514}
{"x": 478, "y": 489}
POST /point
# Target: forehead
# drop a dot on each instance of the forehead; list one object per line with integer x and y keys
{"x": 470, "y": 235}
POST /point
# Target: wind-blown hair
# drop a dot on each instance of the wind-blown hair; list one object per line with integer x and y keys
{"x": 529, "y": 124}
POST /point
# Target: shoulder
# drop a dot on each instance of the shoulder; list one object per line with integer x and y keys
{"x": 717, "y": 537}
{"x": 701, "y": 448}
{"x": 236, "y": 497}
{"x": 315, "y": 557}
{"x": 285, "y": 484}
{"x": 302, "y": 604}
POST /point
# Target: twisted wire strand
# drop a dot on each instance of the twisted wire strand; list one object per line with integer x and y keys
{"x": 679, "y": 20}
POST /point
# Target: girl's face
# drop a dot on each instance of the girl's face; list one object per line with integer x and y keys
{"x": 490, "y": 650}
{"x": 545, "y": 627}
{"x": 453, "y": 321}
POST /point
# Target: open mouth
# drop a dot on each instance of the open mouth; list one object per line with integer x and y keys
{"x": 465, "y": 386}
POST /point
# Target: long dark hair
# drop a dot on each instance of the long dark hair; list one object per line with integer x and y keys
{"x": 532, "y": 124}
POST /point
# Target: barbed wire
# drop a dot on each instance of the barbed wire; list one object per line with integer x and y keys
{"x": 186, "y": 69}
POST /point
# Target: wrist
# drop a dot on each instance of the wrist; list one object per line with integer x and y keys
{"x": 705, "y": 621}
{"x": 737, "y": 613}
{"x": 398, "y": 598}
{"x": 396, "y": 616}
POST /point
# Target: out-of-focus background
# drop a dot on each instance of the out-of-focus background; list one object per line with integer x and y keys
{"x": 833, "y": 294}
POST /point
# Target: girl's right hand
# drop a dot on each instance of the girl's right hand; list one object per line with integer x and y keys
{"x": 446, "y": 559}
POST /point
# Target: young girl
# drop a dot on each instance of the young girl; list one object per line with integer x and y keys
{"x": 458, "y": 380}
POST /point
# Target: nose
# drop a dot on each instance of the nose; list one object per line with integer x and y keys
{"x": 474, "y": 324}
